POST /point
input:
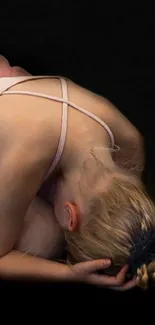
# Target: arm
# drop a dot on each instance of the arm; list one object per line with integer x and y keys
{"x": 19, "y": 265}
{"x": 131, "y": 154}
{"x": 20, "y": 178}
{"x": 41, "y": 235}
{"x": 16, "y": 265}
{"x": 128, "y": 138}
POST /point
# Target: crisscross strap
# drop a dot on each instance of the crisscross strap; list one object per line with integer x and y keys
{"x": 6, "y": 83}
{"x": 63, "y": 131}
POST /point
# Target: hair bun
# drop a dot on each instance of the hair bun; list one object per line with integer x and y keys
{"x": 143, "y": 252}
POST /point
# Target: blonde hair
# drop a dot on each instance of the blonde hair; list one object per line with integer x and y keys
{"x": 115, "y": 213}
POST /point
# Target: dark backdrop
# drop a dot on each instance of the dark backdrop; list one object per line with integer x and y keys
{"x": 105, "y": 47}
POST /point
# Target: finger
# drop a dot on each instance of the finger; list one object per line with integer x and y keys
{"x": 89, "y": 267}
{"x": 18, "y": 71}
{"x": 3, "y": 61}
{"x": 5, "y": 67}
{"x": 120, "y": 277}
{"x": 106, "y": 280}
{"x": 127, "y": 286}
{"x": 101, "y": 280}
{"x": 7, "y": 71}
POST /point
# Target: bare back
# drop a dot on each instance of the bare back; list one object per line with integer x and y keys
{"x": 30, "y": 128}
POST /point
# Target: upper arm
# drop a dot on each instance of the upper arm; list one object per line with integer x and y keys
{"x": 42, "y": 235}
{"x": 131, "y": 155}
{"x": 120, "y": 124}
{"x": 128, "y": 138}
{"x": 19, "y": 182}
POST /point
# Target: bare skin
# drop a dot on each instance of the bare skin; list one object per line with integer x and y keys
{"x": 23, "y": 173}
{"x": 42, "y": 235}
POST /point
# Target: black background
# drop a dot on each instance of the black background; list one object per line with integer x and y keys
{"x": 105, "y": 47}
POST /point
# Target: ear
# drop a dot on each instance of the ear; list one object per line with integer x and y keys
{"x": 73, "y": 214}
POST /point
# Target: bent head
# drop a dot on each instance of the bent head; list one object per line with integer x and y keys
{"x": 103, "y": 216}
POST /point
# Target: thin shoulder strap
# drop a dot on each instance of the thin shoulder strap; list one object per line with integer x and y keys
{"x": 64, "y": 100}
{"x": 57, "y": 99}
{"x": 8, "y": 82}
{"x": 63, "y": 133}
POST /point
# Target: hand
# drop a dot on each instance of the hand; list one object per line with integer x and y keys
{"x": 7, "y": 71}
{"x": 85, "y": 272}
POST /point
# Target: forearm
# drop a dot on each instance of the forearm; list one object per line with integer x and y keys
{"x": 18, "y": 265}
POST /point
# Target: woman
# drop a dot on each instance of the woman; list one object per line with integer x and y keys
{"x": 84, "y": 159}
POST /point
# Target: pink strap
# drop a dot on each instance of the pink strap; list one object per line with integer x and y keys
{"x": 8, "y": 82}
{"x": 63, "y": 133}
{"x": 64, "y": 100}
{"x": 57, "y": 99}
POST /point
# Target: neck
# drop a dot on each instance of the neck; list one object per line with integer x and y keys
{"x": 72, "y": 185}
{"x": 82, "y": 142}
{"x": 87, "y": 171}
{"x": 75, "y": 157}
